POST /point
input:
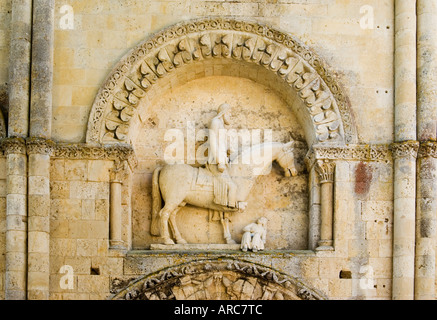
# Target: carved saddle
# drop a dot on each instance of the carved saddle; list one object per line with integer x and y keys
{"x": 211, "y": 179}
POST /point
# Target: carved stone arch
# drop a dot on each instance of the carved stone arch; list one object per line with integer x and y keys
{"x": 299, "y": 75}
{"x": 218, "y": 279}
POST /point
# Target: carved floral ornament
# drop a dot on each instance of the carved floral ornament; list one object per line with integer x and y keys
{"x": 200, "y": 40}
{"x": 405, "y": 149}
{"x": 377, "y": 153}
{"x": 214, "y": 279}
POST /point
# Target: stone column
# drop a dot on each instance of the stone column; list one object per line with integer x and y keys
{"x": 38, "y": 272}
{"x": 405, "y": 70}
{"x": 426, "y": 69}
{"x": 42, "y": 69}
{"x": 16, "y": 219}
{"x": 39, "y": 149}
{"x": 427, "y": 163}
{"x": 325, "y": 170}
{"x": 404, "y": 149}
{"x": 115, "y": 208}
{"x": 19, "y": 68}
{"x": 314, "y": 209}
{"x": 426, "y": 211}
{"x": 404, "y": 155}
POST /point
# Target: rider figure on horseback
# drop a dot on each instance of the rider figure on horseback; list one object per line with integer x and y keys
{"x": 218, "y": 151}
{"x": 218, "y": 154}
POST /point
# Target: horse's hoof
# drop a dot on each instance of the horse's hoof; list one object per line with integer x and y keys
{"x": 181, "y": 241}
{"x": 231, "y": 241}
{"x": 168, "y": 241}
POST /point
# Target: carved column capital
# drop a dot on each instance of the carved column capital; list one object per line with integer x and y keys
{"x": 325, "y": 170}
{"x": 13, "y": 146}
{"x": 119, "y": 172}
{"x": 40, "y": 146}
{"x": 407, "y": 149}
{"x": 377, "y": 153}
{"x": 118, "y": 152}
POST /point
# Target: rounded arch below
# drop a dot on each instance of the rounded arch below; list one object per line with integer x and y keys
{"x": 324, "y": 109}
{"x": 219, "y": 279}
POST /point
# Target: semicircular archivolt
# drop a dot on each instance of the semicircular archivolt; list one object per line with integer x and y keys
{"x": 224, "y": 279}
{"x": 140, "y": 74}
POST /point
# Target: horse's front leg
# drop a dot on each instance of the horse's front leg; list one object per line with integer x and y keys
{"x": 174, "y": 227}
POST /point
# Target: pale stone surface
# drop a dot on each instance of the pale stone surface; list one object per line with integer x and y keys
{"x": 66, "y": 207}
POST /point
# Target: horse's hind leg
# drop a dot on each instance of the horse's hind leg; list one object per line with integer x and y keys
{"x": 165, "y": 214}
{"x": 174, "y": 227}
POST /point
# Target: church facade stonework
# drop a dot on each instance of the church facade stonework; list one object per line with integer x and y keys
{"x": 218, "y": 150}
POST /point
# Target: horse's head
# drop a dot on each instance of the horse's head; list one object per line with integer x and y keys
{"x": 286, "y": 160}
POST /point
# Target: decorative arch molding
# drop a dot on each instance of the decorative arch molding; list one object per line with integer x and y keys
{"x": 218, "y": 279}
{"x": 326, "y": 113}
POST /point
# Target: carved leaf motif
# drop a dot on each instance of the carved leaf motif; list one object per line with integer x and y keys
{"x": 326, "y": 117}
{"x": 267, "y": 57}
{"x": 304, "y": 80}
{"x": 205, "y": 46}
{"x": 248, "y": 48}
{"x": 334, "y": 125}
{"x": 322, "y": 133}
{"x": 278, "y": 60}
{"x": 129, "y": 85}
{"x": 226, "y": 45}
{"x": 289, "y": 63}
{"x": 259, "y": 50}
{"x": 134, "y": 93}
{"x": 148, "y": 77}
{"x": 121, "y": 132}
{"x": 112, "y": 120}
{"x": 127, "y": 113}
{"x": 237, "y": 47}
{"x": 309, "y": 92}
{"x": 118, "y": 105}
{"x": 296, "y": 72}
{"x": 162, "y": 63}
{"x": 133, "y": 99}
{"x": 321, "y": 98}
{"x": 182, "y": 53}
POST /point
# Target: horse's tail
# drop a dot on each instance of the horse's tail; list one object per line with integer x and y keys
{"x": 156, "y": 203}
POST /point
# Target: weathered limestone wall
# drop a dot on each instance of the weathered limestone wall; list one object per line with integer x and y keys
{"x": 369, "y": 193}
{"x": 79, "y": 228}
{"x": 364, "y": 225}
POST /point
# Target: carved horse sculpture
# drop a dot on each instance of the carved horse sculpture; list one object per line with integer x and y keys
{"x": 176, "y": 185}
